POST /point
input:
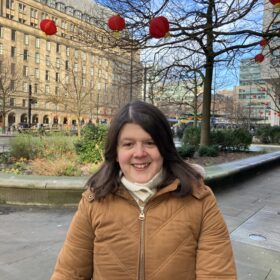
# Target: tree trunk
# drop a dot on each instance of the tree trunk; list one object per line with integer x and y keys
{"x": 206, "y": 107}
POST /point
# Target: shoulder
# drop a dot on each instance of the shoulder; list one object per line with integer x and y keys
{"x": 88, "y": 195}
{"x": 201, "y": 191}
{"x": 200, "y": 169}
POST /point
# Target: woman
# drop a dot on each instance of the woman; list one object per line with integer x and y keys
{"x": 146, "y": 213}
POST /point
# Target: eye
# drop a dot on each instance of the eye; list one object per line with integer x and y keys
{"x": 127, "y": 144}
{"x": 150, "y": 143}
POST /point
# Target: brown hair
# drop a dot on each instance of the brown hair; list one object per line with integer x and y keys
{"x": 153, "y": 121}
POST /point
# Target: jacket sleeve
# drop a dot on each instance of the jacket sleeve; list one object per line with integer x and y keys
{"x": 75, "y": 260}
{"x": 214, "y": 258}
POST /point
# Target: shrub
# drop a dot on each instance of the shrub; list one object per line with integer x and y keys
{"x": 208, "y": 151}
{"x": 231, "y": 139}
{"x": 30, "y": 147}
{"x": 191, "y": 136}
{"x": 25, "y": 146}
{"x": 90, "y": 147}
{"x": 186, "y": 151}
{"x": 57, "y": 167}
{"x": 268, "y": 134}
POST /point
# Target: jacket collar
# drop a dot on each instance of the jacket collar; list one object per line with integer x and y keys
{"x": 199, "y": 191}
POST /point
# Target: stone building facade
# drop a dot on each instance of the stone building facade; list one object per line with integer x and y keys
{"x": 78, "y": 74}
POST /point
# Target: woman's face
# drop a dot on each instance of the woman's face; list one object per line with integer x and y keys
{"x": 137, "y": 154}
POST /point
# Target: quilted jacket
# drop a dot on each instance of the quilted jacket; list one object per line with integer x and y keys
{"x": 173, "y": 238}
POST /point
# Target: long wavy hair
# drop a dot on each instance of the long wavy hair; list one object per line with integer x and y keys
{"x": 153, "y": 121}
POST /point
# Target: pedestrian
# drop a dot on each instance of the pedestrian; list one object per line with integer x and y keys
{"x": 146, "y": 213}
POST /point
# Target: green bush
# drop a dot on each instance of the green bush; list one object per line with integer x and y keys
{"x": 208, "y": 151}
{"x": 90, "y": 147}
{"x": 191, "y": 136}
{"x": 31, "y": 147}
{"x": 268, "y": 134}
{"x": 231, "y": 139}
{"x": 186, "y": 151}
{"x": 25, "y": 146}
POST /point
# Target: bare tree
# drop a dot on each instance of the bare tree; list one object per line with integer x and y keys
{"x": 10, "y": 84}
{"x": 215, "y": 31}
{"x": 74, "y": 91}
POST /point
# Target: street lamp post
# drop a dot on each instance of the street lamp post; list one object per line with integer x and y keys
{"x": 29, "y": 104}
{"x": 31, "y": 101}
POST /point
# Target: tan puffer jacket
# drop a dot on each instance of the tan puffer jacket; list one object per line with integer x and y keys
{"x": 173, "y": 239}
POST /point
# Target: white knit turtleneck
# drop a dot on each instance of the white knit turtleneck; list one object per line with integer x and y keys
{"x": 143, "y": 191}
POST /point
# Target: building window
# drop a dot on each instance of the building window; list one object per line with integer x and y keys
{"x": 37, "y": 43}
{"x": 47, "y": 60}
{"x": 37, "y": 58}
{"x": 75, "y": 67}
{"x": 84, "y": 70}
{"x": 13, "y": 51}
{"x": 25, "y": 54}
{"x": 26, "y": 39}
{"x": 12, "y": 85}
{"x": 13, "y": 35}
{"x": 1, "y": 31}
{"x": 13, "y": 68}
{"x": 67, "y": 51}
{"x": 47, "y": 76}
{"x": 37, "y": 73}
{"x": 21, "y": 7}
{"x": 1, "y": 49}
{"x": 35, "y": 88}
{"x": 25, "y": 71}
{"x": 57, "y": 47}
{"x": 56, "y": 90}
{"x": 84, "y": 82}
{"x": 66, "y": 65}
{"x": 47, "y": 89}
{"x": 12, "y": 102}
{"x": 57, "y": 77}
{"x": 84, "y": 56}
{"x": 25, "y": 87}
{"x": 57, "y": 63}
{"x": 23, "y": 102}
{"x": 9, "y": 4}
{"x": 48, "y": 45}
{"x": 91, "y": 71}
{"x": 33, "y": 13}
{"x": 76, "y": 54}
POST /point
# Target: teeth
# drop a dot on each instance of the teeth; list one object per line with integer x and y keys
{"x": 143, "y": 165}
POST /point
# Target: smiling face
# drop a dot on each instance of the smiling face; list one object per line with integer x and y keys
{"x": 137, "y": 154}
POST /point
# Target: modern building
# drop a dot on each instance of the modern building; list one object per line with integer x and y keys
{"x": 270, "y": 67}
{"x": 77, "y": 74}
{"x": 253, "y": 93}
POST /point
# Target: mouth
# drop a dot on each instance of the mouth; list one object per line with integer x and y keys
{"x": 141, "y": 166}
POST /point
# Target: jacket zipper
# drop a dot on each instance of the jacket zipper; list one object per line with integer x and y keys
{"x": 141, "y": 274}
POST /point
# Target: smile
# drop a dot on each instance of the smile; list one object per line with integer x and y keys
{"x": 140, "y": 165}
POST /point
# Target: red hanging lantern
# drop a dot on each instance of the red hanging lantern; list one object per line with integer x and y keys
{"x": 116, "y": 23}
{"x": 48, "y": 26}
{"x": 274, "y": 2}
{"x": 263, "y": 42}
{"x": 159, "y": 27}
{"x": 259, "y": 58}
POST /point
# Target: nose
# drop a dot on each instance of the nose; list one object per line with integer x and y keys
{"x": 139, "y": 150}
